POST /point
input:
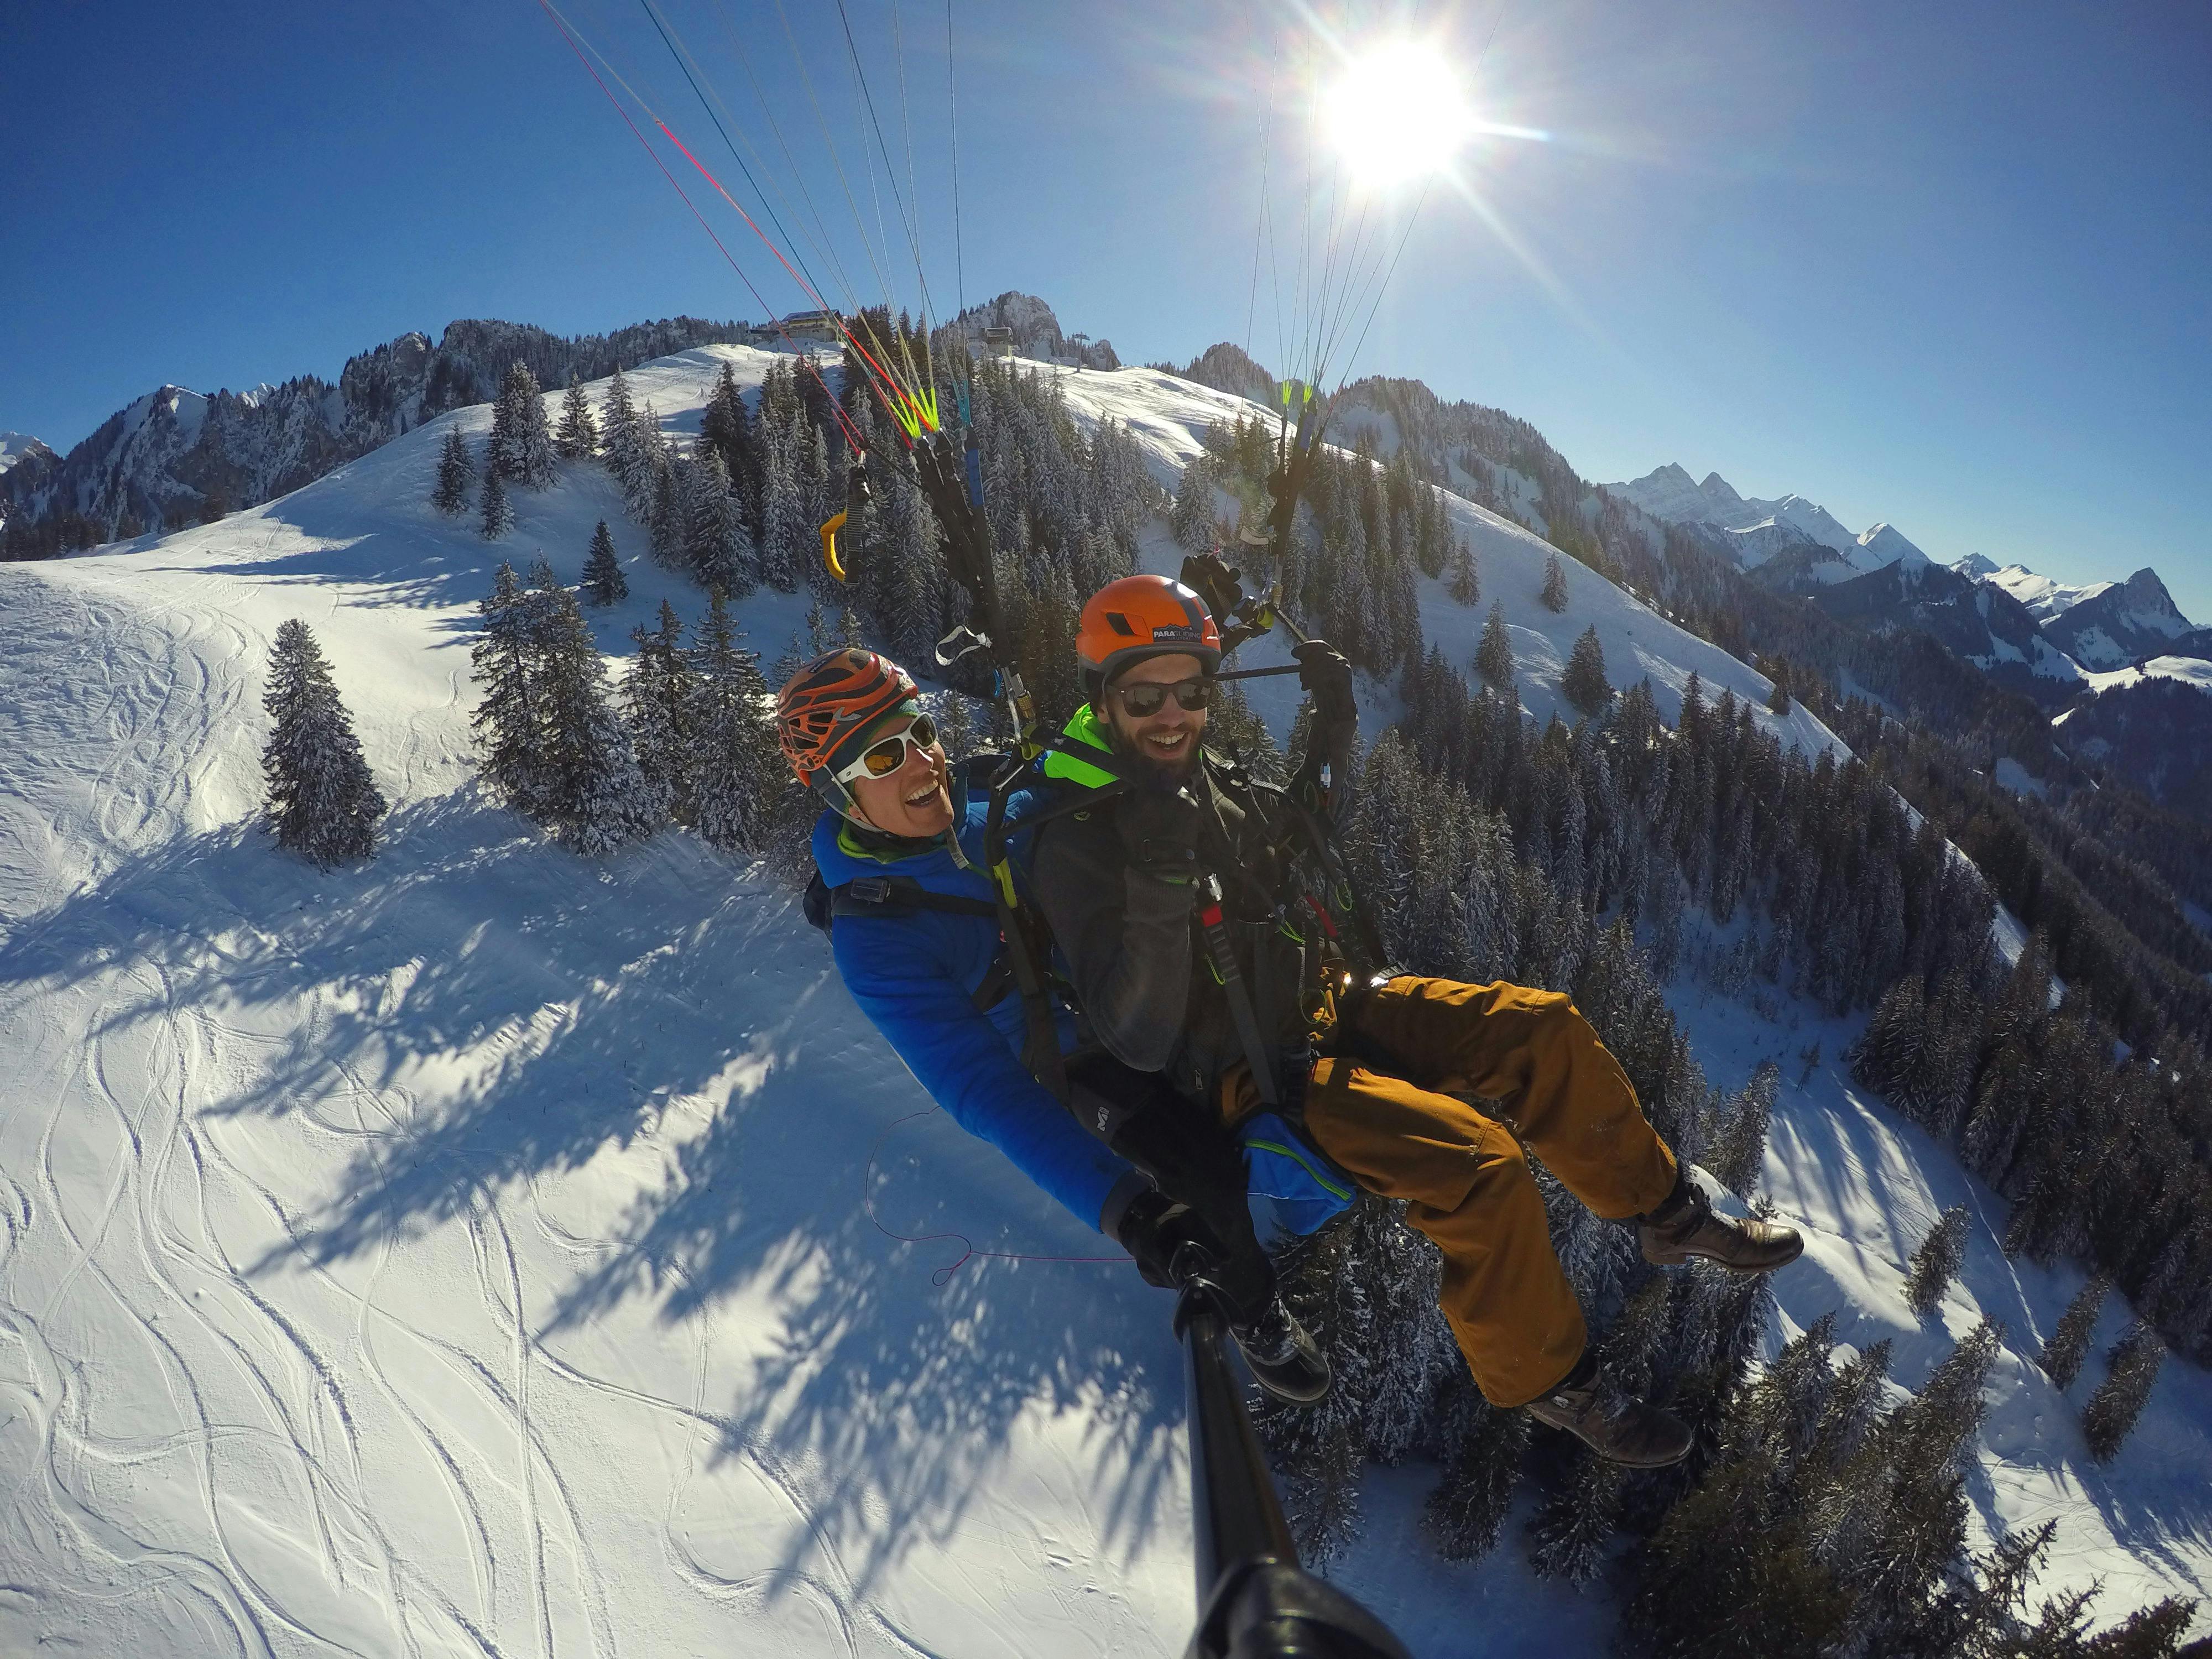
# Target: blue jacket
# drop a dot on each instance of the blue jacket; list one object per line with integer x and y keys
{"x": 912, "y": 974}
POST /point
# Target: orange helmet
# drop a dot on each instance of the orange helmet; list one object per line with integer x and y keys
{"x": 1141, "y": 617}
{"x": 827, "y": 704}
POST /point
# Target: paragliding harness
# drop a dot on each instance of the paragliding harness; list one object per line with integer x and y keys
{"x": 1072, "y": 772}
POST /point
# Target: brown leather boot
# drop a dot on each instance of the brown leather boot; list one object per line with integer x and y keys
{"x": 1628, "y": 1431}
{"x": 1685, "y": 1225}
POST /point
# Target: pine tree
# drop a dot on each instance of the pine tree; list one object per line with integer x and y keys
{"x": 506, "y": 723}
{"x": 498, "y": 514}
{"x": 1464, "y": 584}
{"x": 659, "y": 697}
{"x": 1493, "y": 656}
{"x": 321, "y": 801}
{"x": 668, "y": 520}
{"x": 714, "y": 533}
{"x": 1191, "y": 520}
{"x": 1738, "y": 1141}
{"x": 1555, "y": 583}
{"x": 1584, "y": 680}
{"x": 726, "y": 428}
{"x": 1571, "y": 1530}
{"x": 1936, "y": 1262}
{"x": 737, "y": 776}
{"x": 594, "y": 797}
{"x": 784, "y": 528}
{"x": 604, "y": 583}
{"x": 578, "y": 438}
{"x": 521, "y": 448}
{"x": 2111, "y": 1412}
{"x": 628, "y": 458}
{"x": 1467, "y": 1511}
{"x": 455, "y": 474}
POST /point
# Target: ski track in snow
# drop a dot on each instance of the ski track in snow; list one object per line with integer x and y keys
{"x": 462, "y": 1255}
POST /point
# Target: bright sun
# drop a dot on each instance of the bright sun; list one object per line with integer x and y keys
{"x": 1396, "y": 113}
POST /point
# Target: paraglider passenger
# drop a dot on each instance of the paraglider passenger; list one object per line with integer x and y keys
{"x": 1185, "y": 914}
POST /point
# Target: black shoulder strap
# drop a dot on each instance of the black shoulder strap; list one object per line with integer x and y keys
{"x": 882, "y": 895}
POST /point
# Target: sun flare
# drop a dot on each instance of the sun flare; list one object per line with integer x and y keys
{"x": 1396, "y": 112}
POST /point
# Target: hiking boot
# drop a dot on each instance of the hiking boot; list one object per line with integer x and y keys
{"x": 1285, "y": 1360}
{"x": 1625, "y": 1432}
{"x": 1685, "y": 1225}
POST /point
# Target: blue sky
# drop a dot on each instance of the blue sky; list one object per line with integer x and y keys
{"x": 1942, "y": 265}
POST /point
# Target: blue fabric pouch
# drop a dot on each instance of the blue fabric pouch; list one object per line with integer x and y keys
{"x": 1290, "y": 1188}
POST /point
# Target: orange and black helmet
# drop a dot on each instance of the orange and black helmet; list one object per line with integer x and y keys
{"x": 829, "y": 703}
{"x": 1141, "y": 617}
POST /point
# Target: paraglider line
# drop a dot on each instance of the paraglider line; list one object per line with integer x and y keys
{"x": 852, "y": 433}
{"x": 968, "y": 1249}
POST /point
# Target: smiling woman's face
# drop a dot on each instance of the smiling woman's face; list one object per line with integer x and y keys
{"x": 913, "y": 801}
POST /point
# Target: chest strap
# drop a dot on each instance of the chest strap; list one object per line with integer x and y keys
{"x": 891, "y": 895}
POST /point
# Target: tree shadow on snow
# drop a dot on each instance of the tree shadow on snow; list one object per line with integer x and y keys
{"x": 512, "y": 1012}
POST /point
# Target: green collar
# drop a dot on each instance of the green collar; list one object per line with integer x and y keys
{"x": 1085, "y": 728}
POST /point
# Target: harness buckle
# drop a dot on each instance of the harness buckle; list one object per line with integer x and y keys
{"x": 871, "y": 890}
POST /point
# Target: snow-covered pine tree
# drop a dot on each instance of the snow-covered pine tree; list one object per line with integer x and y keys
{"x": 321, "y": 802}
{"x": 578, "y": 437}
{"x": 498, "y": 516}
{"x": 1737, "y": 1141}
{"x": 628, "y": 459}
{"x": 1462, "y": 581}
{"x": 727, "y": 428}
{"x": 1494, "y": 654}
{"x": 604, "y": 582}
{"x": 1555, "y": 583}
{"x": 1584, "y": 680}
{"x": 715, "y": 546}
{"x": 506, "y": 722}
{"x": 594, "y": 797}
{"x": 784, "y": 528}
{"x": 1192, "y": 517}
{"x": 1569, "y": 1533}
{"x": 1936, "y": 1262}
{"x": 1467, "y": 1511}
{"x": 456, "y": 473}
{"x": 669, "y": 517}
{"x": 658, "y": 697}
{"x": 521, "y": 447}
{"x": 737, "y": 775}
{"x": 2110, "y": 1414}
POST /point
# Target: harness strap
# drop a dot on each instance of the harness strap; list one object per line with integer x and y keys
{"x": 885, "y": 895}
{"x": 1223, "y": 950}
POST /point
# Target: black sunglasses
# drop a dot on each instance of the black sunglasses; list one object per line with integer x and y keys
{"x": 1147, "y": 697}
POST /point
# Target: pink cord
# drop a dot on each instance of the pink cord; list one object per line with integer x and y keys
{"x": 967, "y": 1249}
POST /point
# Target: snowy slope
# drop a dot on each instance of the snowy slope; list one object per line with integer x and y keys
{"x": 486, "y": 1251}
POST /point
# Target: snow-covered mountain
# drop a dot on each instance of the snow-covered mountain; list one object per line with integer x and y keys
{"x": 1765, "y": 527}
{"x": 1036, "y": 332}
{"x": 17, "y": 447}
{"x": 1978, "y": 621}
{"x": 488, "y": 1251}
{"x": 175, "y": 456}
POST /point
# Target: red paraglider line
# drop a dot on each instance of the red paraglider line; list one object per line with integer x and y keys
{"x": 768, "y": 242}
{"x": 844, "y": 421}
{"x": 969, "y": 1249}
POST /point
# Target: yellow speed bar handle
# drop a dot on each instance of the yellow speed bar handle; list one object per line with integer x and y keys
{"x": 831, "y": 559}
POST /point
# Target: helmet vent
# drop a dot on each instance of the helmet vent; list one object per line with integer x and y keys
{"x": 1119, "y": 624}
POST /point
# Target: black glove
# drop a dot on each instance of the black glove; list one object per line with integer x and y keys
{"x": 1166, "y": 1238}
{"x": 1159, "y": 830}
{"x": 1325, "y": 675}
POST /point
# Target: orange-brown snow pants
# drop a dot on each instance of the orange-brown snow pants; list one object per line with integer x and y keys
{"x": 1384, "y": 1107}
